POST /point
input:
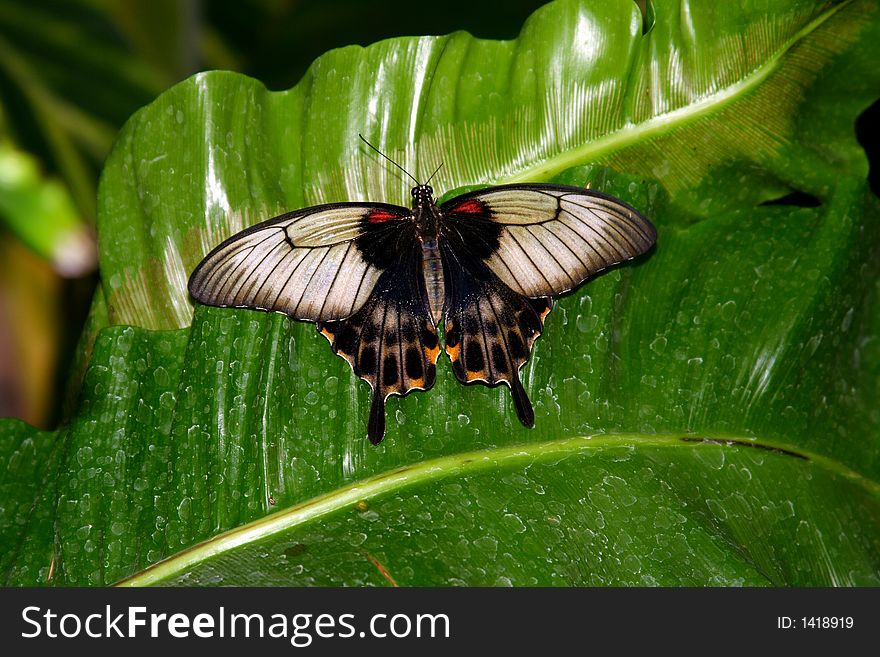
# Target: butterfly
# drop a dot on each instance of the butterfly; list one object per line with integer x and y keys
{"x": 377, "y": 279}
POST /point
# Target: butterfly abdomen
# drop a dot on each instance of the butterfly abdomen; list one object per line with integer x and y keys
{"x": 432, "y": 267}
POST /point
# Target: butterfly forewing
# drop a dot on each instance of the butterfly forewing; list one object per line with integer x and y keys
{"x": 542, "y": 240}
{"x": 316, "y": 264}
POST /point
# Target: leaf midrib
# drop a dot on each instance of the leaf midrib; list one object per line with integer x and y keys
{"x": 632, "y": 133}
{"x": 457, "y": 464}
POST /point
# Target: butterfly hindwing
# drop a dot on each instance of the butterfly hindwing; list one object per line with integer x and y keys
{"x": 316, "y": 264}
{"x": 543, "y": 240}
{"x": 391, "y": 341}
{"x": 489, "y": 329}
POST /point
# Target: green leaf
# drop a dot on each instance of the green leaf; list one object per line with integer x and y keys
{"x": 621, "y": 510}
{"x": 704, "y": 415}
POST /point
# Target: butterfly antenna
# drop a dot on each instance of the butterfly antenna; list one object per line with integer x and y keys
{"x": 434, "y": 174}
{"x": 388, "y": 158}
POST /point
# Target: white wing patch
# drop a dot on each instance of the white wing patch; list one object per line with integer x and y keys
{"x": 325, "y": 228}
{"x": 305, "y": 264}
{"x": 521, "y": 206}
{"x": 553, "y": 238}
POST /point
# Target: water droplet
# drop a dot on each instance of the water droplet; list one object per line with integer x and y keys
{"x": 586, "y": 323}
{"x": 184, "y": 509}
{"x": 486, "y": 544}
{"x": 84, "y": 455}
{"x": 658, "y": 345}
{"x": 728, "y": 310}
{"x": 847, "y": 320}
{"x": 513, "y": 523}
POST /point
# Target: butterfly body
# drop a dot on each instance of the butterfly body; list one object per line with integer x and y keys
{"x": 378, "y": 279}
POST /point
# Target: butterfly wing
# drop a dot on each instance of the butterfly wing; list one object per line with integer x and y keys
{"x": 489, "y": 329}
{"x": 543, "y": 240}
{"x": 505, "y": 251}
{"x": 391, "y": 341}
{"x": 318, "y": 264}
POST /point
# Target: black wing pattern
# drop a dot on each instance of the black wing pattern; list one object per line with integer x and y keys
{"x": 489, "y": 329}
{"x": 317, "y": 264}
{"x": 543, "y": 240}
{"x": 391, "y": 341}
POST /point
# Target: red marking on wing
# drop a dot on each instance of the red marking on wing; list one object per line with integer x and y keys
{"x": 378, "y": 216}
{"x": 471, "y": 206}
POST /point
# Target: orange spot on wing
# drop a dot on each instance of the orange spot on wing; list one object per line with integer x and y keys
{"x": 418, "y": 383}
{"x": 452, "y": 351}
{"x": 432, "y": 354}
{"x": 473, "y": 376}
{"x": 327, "y": 334}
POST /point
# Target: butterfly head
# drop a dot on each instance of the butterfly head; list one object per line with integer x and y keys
{"x": 423, "y": 196}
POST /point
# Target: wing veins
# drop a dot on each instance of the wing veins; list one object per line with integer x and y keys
{"x": 380, "y": 354}
{"x": 600, "y": 237}
{"x": 550, "y": 253}
{"x": 272, "y": 271}
{"x": 482, "y": 241}
{"x": 228, "y": 258}
{"x": 286, "y": 282}
{"x": 335, "y": 276}
{"x": 354, "y": 299}
{"x": 610, "y": 224}
{"x": 570, "y": 250}
{"x": 616, "y": 210}
{"x": 238, "y": 284}
{"x": 488, "y": 357}
{"x": 513, "y": 369}
{"x": 583, "y": 238}
{"x": 400, "y": 367}
{"x": 526, "y": 253}
{"x": 311, "y": 278}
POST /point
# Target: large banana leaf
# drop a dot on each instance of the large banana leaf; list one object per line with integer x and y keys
{"x": 705, "y": 415}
